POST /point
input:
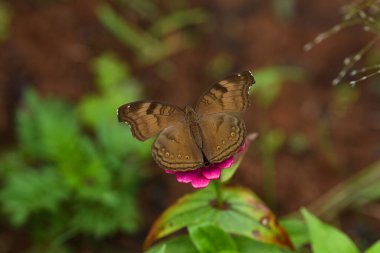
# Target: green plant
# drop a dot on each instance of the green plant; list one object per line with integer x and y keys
{"x": 363, "y": 13}
{"x": 160, "y": 40}
{"x": 322, "y": 237}
{"x": 75, "y": 170}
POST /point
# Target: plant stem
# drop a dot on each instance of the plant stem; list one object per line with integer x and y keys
{"x": 218, "y": 193}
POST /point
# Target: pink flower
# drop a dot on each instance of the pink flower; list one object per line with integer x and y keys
{"x": 200, "y": 178}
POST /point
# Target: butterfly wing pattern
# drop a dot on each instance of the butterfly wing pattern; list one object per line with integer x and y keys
{"x": 223, "y": 131}
{"x": 228, "y": 95}
{"x": 212, "y": 133}
{"x": 223, "y": 135}
{"x": 148, "y": 118}
{"x": 175, "y": 149}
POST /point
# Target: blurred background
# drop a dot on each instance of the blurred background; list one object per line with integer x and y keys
{"x": 73, "y": 179}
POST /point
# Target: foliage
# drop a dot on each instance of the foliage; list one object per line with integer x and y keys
{"x": 216, "y": 237}
{"x": 161, "y": 39}
{"x": 270, "y": 80}
{"x": 356, "y": 191}
{"x": 241, "y": 214}
{"x": 77, "y": 169}
{"x": 326, "y": 239}
{"x": 363, "y": 13}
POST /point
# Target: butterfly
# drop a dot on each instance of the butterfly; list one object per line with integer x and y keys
{"x": 191, "y": 138}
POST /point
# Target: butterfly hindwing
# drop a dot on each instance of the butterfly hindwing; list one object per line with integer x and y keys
{"x": 148, "y": 118}
{"x": 223, "y": 134}
{"x": 175, "y": 149}
{"x": 228, "y": 95}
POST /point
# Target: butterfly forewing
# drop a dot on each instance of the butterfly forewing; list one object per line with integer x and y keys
{"x": 175, "y": 149}
{"x": 228, "y": 95}
{"x": 148, "y": 118}
{"x": 223, "y": 135}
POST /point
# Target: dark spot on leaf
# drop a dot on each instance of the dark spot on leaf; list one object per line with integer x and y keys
{"x": 256, "y": 233}
{"x": 224, "y": 206}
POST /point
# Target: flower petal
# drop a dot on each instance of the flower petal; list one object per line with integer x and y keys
{"x": 199, "y": 181}
{"x": 186, "y": 176}
{"x": 244, "y": 146}
{"x": 170, "y": 171}
{"x": 211, "y": 172}
{"x": 226, "y": 163}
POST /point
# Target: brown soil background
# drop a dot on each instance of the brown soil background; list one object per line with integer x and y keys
{"x": 51, "y": 45}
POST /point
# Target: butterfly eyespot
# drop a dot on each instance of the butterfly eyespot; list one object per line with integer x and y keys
{"x": 232, "y": 134}
{"x": 223, "y": 142}
{"x": 167, "y": 154}
{"x": 179, "y": 156}
{"x": 218, "y": 147}
{"x": 187, "y": 157}
{"x": 163, "y": 149}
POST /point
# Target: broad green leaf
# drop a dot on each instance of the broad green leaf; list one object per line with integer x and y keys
{"x": 179, "y": 244}
{"x": 325, "y": 238}
{"x": 375, "y": 248}
{"x": 242, "y": 213}
{"x": 210, "y": 239}
{"x": 183, "y": 244}
{"x": 297, "y": 231}
{"x": 247, "y": 245}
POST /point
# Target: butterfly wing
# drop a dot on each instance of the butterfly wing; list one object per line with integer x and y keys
{"x": 228, "y": 95}
{"x": 223, "y": 134}
{"x": 148, "y": 118}
{"x": 175, "y": 149}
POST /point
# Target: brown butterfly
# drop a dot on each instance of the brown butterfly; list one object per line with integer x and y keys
{"x": 191, "y": 138}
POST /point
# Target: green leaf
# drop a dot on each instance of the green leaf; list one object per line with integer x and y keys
{"x": 178, "y": 20}
{"x": 29, "y": 191}
{"x": 247, "y": 245}
{"x": 325, "y": 238}
{"x": 375, "y": 248}
{"x": 242, "y": 214}
{"x": 101, "y": 219}
{"x": 183, "y": 244}
{"x": 110, "y": 71}
{"x": 297, "y": 231}
{"x": 210, "y": 239}
{"x": 179, "y": 244}
{"x": 46, "y": 127}
{"x": 269, "y": 83}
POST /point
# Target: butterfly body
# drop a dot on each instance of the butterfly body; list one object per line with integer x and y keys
{"x": 191, "y": 138}
{"x": 192, "y": 119}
